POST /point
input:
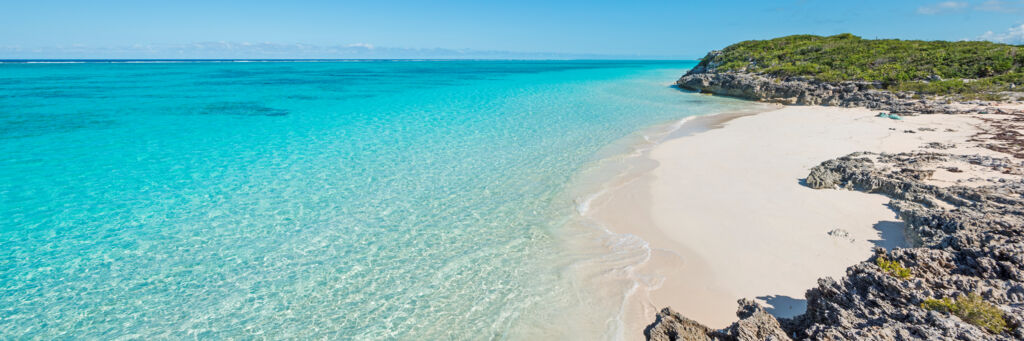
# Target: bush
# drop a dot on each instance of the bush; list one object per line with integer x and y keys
{"x": 972, "y": 309}
{"x": 909, "y": 65}
{"x": 893, "y": 268}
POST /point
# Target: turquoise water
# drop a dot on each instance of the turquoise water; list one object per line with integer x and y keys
{"x": 352, "y": 200}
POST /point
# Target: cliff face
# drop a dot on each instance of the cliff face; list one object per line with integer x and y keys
{"x": 975, "y": 247}
{"x": 705, "y": 77}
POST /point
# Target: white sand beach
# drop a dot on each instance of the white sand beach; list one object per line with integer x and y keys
{"x": 727, "y": 216}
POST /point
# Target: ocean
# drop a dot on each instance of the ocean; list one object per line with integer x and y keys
{"x": 320, "y": 199}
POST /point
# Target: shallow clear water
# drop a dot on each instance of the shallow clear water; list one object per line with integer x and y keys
{"x": 371, "y": 199}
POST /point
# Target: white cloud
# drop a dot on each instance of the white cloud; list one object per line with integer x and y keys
{"x": 362, "y": 45}
{"x": 1000, "y": 6}
{"x": 1014, "y": 35}
{"x": 945, "y": 6}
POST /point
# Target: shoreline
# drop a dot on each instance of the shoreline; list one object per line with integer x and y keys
{"x": 637, "y": 205}
{"x": 630, "y": 153}
{"x": 621, "y": 163}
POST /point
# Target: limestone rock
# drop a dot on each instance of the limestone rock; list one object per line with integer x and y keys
{"x": 978, "y": 247}
{"x": 671, "y": 326}
{"x": 969, "y": 239}
{"x": 822, "y": 178}
{"x": 804, "y": 91}
{"x": 755, "y": 324}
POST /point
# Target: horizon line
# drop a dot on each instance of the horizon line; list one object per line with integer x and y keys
{"x": 117, "y": 60}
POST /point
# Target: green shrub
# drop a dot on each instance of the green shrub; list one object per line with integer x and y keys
{"x": 908, "y": 65}
{"x": 893, "y": 268}
{"x": 944, "y": 305}
{"x": 972, "y": 309}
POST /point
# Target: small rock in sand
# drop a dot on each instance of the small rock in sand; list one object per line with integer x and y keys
{"x": 841, "y": 234}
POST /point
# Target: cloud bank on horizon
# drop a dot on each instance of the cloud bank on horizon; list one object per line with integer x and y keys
{"x": 268, "y": 50}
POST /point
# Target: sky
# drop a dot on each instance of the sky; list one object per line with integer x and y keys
{"x": 656, "y": 29}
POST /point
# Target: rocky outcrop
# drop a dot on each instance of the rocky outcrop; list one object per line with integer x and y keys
{"x": 968, "y": 238}
{"x": 822, "y": 178}
{"x": 705, "y": 77}
{"x": 754, "y": 324}
{"x": 671, "y": 326}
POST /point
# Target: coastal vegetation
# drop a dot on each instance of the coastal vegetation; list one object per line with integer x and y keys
{"x": 966, "y": 68}
{"x": 972, "y": 309}
{"x": 893, "y": 268}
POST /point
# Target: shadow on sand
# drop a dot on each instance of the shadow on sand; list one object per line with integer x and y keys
{"x": 891, "y": 235}
{"x": 784, "y": 306}
{"x": 803, "y": 182}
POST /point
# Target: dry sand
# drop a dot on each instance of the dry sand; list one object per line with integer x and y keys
{"x": 727, "y": 216}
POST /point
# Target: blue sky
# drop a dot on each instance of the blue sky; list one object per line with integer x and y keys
{"x": 475, "y": 29}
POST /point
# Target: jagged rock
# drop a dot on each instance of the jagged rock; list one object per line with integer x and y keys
{"x": 671, "y": 326}
{"x": 939, "y": 145}
{"x": 822, "y": 178}
{"x": 968, "y": 240}
{"x": 804, "y": 91}
{"x": 977, "y": 247}
{"x": 755, "y": 324}
{"x": 919, "y": 174}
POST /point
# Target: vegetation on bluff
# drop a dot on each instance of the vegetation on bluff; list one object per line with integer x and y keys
{"x": 972, "y": 309}
{"x": 893, "y": 268}
{"x": 928, "y": 67}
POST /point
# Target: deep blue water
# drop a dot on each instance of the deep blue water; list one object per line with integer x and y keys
{"x": 361, "y": 199}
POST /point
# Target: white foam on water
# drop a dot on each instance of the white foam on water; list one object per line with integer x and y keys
{"x": 605, "y": 176}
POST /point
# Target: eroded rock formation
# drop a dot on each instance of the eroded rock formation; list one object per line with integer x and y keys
{"x": 804, "y": 91}
{"x": 754, "y": 324}
{"x": 969, "y": 238}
